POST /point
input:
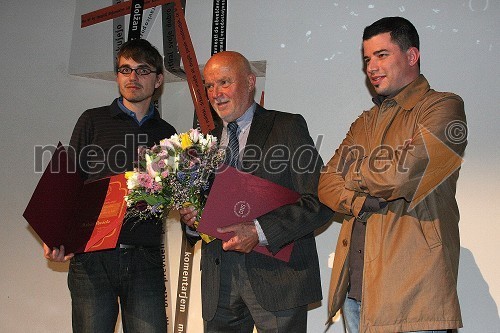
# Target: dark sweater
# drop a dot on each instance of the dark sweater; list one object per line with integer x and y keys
{"x": 105, "y": 141}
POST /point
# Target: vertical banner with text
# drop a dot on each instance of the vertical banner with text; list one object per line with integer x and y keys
{"x": 135, "y": 24}
{"x": 118, "y": 33}
{"x": 172, "y": 58}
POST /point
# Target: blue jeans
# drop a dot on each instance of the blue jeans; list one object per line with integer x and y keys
{"x": 351, "y": 311}
{"x": 102, "y": 281}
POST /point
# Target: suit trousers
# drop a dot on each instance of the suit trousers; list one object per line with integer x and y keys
{"x": 238, "y": 309}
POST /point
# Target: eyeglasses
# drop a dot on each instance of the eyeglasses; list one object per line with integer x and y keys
{"x": 126, "y": 71}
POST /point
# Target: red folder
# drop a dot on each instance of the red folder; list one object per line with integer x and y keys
{"x": 82, "y": 216}
{"x": 237, "y": 197}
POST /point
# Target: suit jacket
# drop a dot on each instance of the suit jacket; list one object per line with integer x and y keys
{"x": 277, "y": 285}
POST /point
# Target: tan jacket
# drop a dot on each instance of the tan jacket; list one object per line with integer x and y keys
{"x": 410, "y": 157}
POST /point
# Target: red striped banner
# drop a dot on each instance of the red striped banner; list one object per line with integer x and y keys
{"x": 114, "y": 11}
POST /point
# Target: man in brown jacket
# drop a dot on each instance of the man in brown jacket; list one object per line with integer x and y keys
{"x": 394, "y": 177}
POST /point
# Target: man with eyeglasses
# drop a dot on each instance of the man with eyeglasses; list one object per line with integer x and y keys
{"x": 105, "y": 141}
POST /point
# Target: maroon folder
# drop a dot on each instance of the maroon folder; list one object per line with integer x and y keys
{"x": 82, "y": 216}
{"x": 237, "y": 197}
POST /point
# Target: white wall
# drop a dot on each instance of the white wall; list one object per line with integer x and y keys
{"x": 314, "y": 67}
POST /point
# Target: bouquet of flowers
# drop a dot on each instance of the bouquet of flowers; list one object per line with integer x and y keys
{"x": 173, "y": 174}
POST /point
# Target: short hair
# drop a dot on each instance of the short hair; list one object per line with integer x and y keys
{"x": 140, "y": 50}
{"x": 403, "y": 32}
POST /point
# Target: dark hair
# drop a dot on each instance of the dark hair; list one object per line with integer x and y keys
{"x": 403, "y": 32}
{"x": 140, "y": 50}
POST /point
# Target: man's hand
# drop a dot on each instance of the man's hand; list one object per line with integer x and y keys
{"x": 56, "y": 254}
{"x": 188, "y": 215}
{"x": 373, "y": 204}
{"x": 245, "y": 237}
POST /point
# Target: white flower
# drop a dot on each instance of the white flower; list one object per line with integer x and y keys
{"x": 173, "y": 162}
{"x": 167, "y": 144}
{"x": 211, "y": 141}
{"x": 132, "y": 181}
{"x": 149, "y": 166}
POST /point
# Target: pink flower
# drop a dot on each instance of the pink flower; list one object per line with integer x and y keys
{"x": 156, "y": 187}
{"x": 145, "y": 180}
{"x": 161, "y": 164}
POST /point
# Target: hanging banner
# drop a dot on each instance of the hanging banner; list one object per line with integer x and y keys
{"x": 149, "y": 17}
{"x": 219, "y": 19}
{"x": 135, "y": 24}
{"x": 197, "y": 89}
{"x": 173, "y": 65}
{"x": 172, "y": 58}
{"x": 183, "y": 286}
{"x": 118, "y": 33}
{"x": 166, "y": 275}
{"x": 115, "y": 11}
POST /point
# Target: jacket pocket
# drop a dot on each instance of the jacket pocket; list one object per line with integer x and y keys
{"x": 429, "y": 228}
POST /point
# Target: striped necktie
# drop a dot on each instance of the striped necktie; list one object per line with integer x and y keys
{"x": 233, "y": 147}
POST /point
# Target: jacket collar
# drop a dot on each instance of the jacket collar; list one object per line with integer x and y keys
{"x": 262, "y": 123}
{"x": 412, "y": 93}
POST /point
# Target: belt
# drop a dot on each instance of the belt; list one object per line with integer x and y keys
{"x": 130, "y": 246}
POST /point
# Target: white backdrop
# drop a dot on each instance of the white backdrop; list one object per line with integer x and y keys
{"x": 314, "y": 67}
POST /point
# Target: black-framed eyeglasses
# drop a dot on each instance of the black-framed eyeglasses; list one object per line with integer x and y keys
{"x": 139, "y": 70}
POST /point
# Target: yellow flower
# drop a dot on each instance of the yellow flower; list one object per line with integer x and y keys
{"x": 185, "y": 140}
{"x": 129, "y": 174}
